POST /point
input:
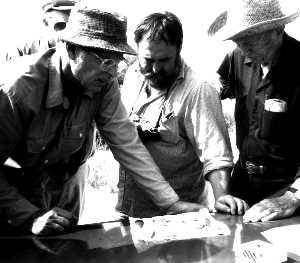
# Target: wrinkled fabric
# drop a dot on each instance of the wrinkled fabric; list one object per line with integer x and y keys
{"x": 44, "y": 130}
{"x": 194, "y": 137}
{"x": 277, "y": 147}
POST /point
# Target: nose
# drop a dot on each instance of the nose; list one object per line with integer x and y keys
{"x": 156, "y": 67}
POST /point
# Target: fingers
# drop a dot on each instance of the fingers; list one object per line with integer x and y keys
{"x": 269, "y": 217}
{"x": 222, "y": 207}
{"x": 242, "y": 207}
{"x": 255, "y": 214}
{"x": 183, "y": 207}
{"x": 62, "y": 213}
{"x": 232, "y": 205}
{"x": 59, "y": 220}
{"x": 55, "y": 220}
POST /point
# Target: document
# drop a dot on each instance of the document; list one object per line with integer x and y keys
{"x": 287, "y": 237}
{"x": 258, "y": 251}
{"x": 147, "y": 232}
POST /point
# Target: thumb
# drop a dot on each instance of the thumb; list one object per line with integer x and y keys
{"x": 223, "y": 207}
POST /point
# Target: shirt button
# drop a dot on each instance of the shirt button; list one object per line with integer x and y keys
{"x": 46, "y": 161}
{"x": 80, "y": 135}
{"x": 43, "y": 148}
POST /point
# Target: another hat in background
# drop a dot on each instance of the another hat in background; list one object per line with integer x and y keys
{"x": 61, "y": 5}
{"x": 90, "y": 27}
{"x": 248, "y": 17}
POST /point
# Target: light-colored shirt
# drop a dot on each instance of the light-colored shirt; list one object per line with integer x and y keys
{"x": 194, "y": 137}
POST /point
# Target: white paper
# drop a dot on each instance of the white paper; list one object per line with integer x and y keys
{"x": 258, "y": 251}
{"x": 287, "y": 237}
{"x": 147, "y": 232}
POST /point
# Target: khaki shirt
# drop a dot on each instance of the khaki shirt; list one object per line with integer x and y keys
{"x": 41, "y": 129}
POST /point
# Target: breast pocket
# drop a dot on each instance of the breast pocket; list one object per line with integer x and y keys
{"x": 73, "y": 138}
{"x": 36, "y": 147}
{"x": 169, "y": 128}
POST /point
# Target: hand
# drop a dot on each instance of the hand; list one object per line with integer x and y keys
{"x": 55, "y": 220}
{"x": 183, "y": 207}
{"x": 231, "y": 204}
{"x": 272, "y": 208}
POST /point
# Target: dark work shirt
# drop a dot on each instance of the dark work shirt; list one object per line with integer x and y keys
{"x": 269, "y": 138}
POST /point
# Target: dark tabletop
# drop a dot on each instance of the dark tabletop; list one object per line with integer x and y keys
{"x": 112, "y": 242}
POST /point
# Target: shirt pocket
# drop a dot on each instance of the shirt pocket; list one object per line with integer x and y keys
{"x": 169, "y": 128}
{"x": 73, "y": 138}
{"x": 36, "y": 147}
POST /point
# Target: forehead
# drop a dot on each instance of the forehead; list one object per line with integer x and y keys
{"x": 254, "y": 39}
{"x": 156, "y": 48}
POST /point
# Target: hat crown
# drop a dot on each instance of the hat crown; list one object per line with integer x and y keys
{"x": 247, "y": 17}
{"x": 96, "y": 23}
{"x": 258, "y": 11}
{"x": 91, "y": 27}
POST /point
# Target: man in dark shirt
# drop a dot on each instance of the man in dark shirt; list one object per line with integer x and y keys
{"x": 49, "y": 106}
{"x": 262, "y": 74}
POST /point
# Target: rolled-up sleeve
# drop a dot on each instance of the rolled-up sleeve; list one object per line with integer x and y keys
{"x": 122, "y": 138}
{"x": 207, "y": 130}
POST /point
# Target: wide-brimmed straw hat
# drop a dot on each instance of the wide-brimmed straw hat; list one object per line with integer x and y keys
{"x": 91, "y": 27}
{"x": 248, "y": 17}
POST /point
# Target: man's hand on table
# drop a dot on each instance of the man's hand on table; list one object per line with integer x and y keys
{"x": 230, "y": 204}
{"x": 53, "y": 221}
{"x": 183, "y": 207}
{"x": 272, "y": 208}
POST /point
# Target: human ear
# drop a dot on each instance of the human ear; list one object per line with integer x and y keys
{"x": 72, "y": 51}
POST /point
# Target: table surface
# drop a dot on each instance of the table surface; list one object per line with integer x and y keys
{"x": 112, "y": 242}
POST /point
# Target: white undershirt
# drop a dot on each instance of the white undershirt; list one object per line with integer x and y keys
{"x": 265, "y": 70}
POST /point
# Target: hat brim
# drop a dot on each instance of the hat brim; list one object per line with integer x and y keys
{"x": 87, "y": 41}
{"x": 261, "y": 27}
{"x": 57, "y": 16}
{"x": 61, "y": 8}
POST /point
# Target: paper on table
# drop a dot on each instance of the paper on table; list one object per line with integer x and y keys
{"x": 287, "y": 237}
{"x": 258, "y": 251}
{"x": 147, "y": 232}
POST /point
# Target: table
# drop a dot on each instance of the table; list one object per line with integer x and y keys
{"x": 111, "y": 243}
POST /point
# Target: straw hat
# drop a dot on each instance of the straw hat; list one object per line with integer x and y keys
{"x": 248, "y": 17}
{"x": 91, "y": 27}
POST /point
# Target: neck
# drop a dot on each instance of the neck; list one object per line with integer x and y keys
{"x": 71, "y": 85}
{"x": 273, "y": 55}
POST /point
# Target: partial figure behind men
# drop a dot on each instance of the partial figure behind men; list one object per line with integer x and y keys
{"x": 55, "y": 17}
{"x": 180, "y": 121}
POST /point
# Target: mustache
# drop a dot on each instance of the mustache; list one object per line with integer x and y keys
{"x": 151, "y": 75}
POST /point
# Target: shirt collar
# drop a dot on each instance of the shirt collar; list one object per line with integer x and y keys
{"x": 55, "y": 95}
{"x": 55, "y": 89}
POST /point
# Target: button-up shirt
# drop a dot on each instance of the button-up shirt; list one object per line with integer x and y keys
{"x": 194, "y": 137}
{"x": 42, "y": 128}
{"x": 264, "y": 137}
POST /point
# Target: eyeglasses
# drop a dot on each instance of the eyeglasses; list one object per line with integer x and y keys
{"x": 106, "y": 55}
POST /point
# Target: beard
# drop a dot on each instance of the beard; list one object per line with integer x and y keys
{"x": 162, "y": 80}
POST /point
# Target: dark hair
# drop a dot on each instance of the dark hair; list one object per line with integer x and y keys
{"x": 161, "y": 26}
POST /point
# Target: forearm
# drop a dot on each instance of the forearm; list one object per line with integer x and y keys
{"x": 219, "y": 180}
{"x": 15, "y": 207}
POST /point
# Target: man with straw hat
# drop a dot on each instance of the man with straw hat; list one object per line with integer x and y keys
{"x": 262, "y": 74}
{"x": 48, "y": 113}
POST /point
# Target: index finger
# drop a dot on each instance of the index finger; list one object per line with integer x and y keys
{"x": 63, "y": 213}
